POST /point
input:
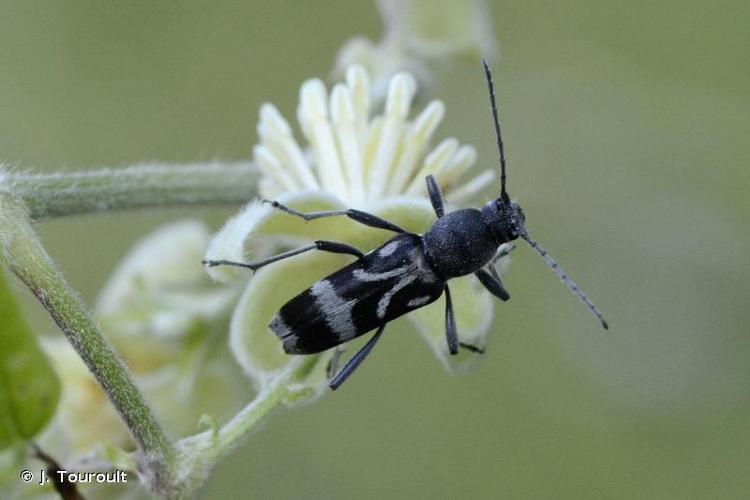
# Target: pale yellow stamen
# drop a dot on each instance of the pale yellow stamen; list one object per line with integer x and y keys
{"x": 313, "y": 117}
{"x": 276, "y": 134}
{"x": 400, "y": 95}
{"x": 348, "y": 139}
{"x": 359, "y": 85}
{"x": 433, "y": 165}
{"x": 273, "y": 170}
{"x": 469, "y": 190}
{"x": 415, "y": 144}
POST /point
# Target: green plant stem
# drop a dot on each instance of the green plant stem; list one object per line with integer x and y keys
{"x": 265, "y": 403}
{"x": 199, "y": 453}
{"x": 138, "y": 186}
{"x": 25, "y": 256}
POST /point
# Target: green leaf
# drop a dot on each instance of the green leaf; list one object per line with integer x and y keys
{"x": 29, "y": 388}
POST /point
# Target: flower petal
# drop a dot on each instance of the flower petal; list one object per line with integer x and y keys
{"x": 473, "y": 309}
{"x": 256, "y": 348}
{"x": 433, "y": 164}
{"x": 380, "y": 165}
{"x": 414, "y": 145}
{"x": 229, "y": 242}
{"x": 254, "y": 345}
{"x": 470, "y": 190}
{"x": 169, "y": 256}
{"x": 444, "y": 28}
{"x": 257, "y": 226}
{"x": 313, "y": 117}
{"x": 358, "y": 82}
{"x": 160, "y": 288}
{"x": 349, "y": 140}
{"x": 276, "y": 134}
{"x": 202, "y": 380}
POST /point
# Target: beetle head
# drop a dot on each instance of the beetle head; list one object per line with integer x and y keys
{"x": 506, "y": 218}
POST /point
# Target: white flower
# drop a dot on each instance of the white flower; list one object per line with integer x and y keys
{"x": 352, "y": 160}
{"x": 168, "y": 321}
{"x": 417, "y": 34}
{"x": 160, "y": 288}
{"x": 358, "y": 159}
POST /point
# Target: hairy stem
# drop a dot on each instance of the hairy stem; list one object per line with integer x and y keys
{"x": 24, "y": 255}
{"x": 265, "y": 403}
{"x": 199, "y": 453}
{"x": 138, "y": 186}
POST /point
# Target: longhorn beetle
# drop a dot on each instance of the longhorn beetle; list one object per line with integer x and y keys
{"x": 407, "y": 272}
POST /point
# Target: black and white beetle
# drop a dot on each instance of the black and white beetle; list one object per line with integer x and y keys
{"x": 407, "y": 272}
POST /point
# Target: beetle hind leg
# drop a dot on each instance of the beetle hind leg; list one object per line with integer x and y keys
{"x": 355, "y": 360}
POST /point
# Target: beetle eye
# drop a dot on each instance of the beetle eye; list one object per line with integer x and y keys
{"x": 521, "y": 215}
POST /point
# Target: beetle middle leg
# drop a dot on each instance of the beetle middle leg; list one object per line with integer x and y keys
{"x": 451, "y": 333}
{"x": 491, "y": 281}
{"x": 323, "y": 245}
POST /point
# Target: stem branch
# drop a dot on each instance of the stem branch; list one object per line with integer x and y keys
{"x": 25, "y": 256}
{"x": 199, "y": 453}
{"x": 138, "y": 186}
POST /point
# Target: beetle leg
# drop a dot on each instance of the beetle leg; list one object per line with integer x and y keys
{"x": 362, "y": 217}
{"x": 436, "y": 197}
{"x": 451, "y": 334}
{"x": 355, "y": 361}
{"x": 323, "y": 245}
{"x": 492, "y": 283}
{"x": 471, "y": 347}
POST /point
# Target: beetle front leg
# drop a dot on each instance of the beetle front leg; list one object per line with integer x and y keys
{"x": 365, "y": 218}
{"x": 436, "y": 197}
{"x": 493, "y": 284}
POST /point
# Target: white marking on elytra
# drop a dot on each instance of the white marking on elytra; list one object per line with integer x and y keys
{"x": 416, "y": 268}
{"x": 280, "y": 328}
{"x": 337, "y": 311}
{"x": 419, "y": 301}
{"x": 389, "y": 248}
{"x": 363, "y": 275}
{"x": 423, "y": 268}
{"x": 385, "y": 300}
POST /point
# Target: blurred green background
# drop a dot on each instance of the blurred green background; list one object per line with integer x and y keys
{"x": 627, "y": 130}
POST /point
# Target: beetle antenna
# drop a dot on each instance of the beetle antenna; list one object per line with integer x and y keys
{"x": 498, "y": 135}
{"x": 564, "y": 277}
